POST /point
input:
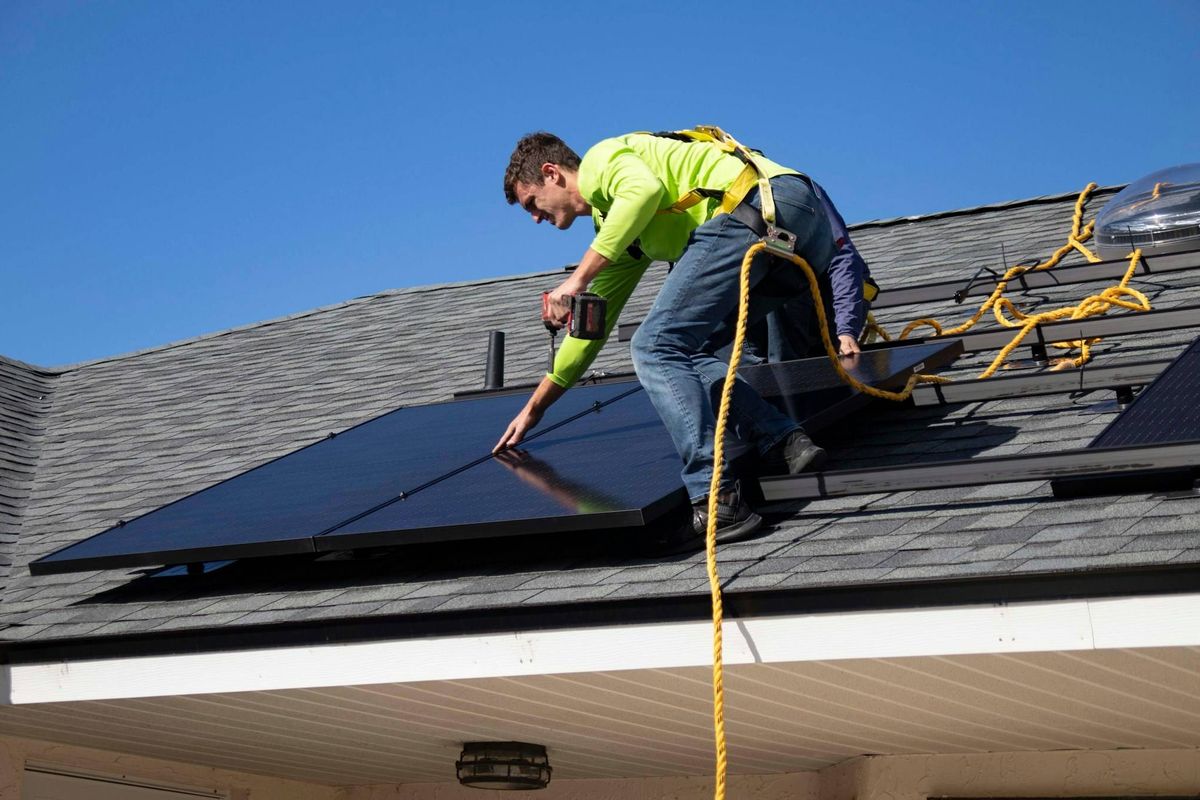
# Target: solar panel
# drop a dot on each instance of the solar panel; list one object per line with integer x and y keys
{"x": 614, "y": 468}
{"x": 1166, "y": 412}
{"x": 810, "y": 391}
{"x": 277, "y": 508}
{"x": 600, "y": 459}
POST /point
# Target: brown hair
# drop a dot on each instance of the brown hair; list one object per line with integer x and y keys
{"x": 533, "y": 150}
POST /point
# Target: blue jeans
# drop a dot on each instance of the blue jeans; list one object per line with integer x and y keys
{"x": 674, "y": 349}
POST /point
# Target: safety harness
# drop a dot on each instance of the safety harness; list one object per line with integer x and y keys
{"x": 762, "y": 222}
{"x": 732, "y": 200}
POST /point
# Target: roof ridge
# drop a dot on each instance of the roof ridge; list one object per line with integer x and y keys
{"x": 50, "y": 372}
{"x": 59, "y": 370}
{"x": 962, "y": 212}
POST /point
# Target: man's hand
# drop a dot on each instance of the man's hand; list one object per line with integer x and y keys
{"x": 848, "y": 345}
{"x": 560, "y": 302}
{"x": 521, "y": 424}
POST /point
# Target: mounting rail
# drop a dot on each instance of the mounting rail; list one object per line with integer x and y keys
{"x": 1159, "y": 467}
{"x": 1114, "y": 376}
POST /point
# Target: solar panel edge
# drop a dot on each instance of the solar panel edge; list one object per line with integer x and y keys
{"x": 530, "y": 526}
{"x": 158, "y": 558}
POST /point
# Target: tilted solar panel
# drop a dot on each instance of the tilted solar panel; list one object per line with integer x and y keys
{"x": 600, "y": 459}
{"x": 613, "y": 468}
{"x": 278, "y": 507}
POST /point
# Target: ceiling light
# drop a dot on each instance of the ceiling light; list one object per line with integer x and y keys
{"x": 503, "y": 765}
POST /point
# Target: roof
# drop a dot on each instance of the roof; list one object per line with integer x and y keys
{"x": 25, "y": 396}
{"x": 102, "y": 441}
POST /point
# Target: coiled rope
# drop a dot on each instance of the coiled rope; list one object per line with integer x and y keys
{"x": 999, "y": 305}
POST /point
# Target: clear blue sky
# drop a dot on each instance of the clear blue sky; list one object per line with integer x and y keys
{"x": 169, "y": 168}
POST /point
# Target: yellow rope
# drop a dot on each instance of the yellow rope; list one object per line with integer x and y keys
{"x": 1075, "y": 241}
{"x": 710, "y": 539}
{"x": 1003, "y": 309}
{"x": 873, "y": 330}
{"x": 1088, "y": 307}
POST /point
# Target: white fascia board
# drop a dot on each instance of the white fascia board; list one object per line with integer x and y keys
{"x": 1156, "y": 621}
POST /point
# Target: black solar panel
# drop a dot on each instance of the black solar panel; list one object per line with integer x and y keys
{"x": 810, "y": 391}
{"x": 613, "y": 468}
{"x": 600, "y": 459}
{"x": 1166, "y": 412}
{"x": 279, "y": 507}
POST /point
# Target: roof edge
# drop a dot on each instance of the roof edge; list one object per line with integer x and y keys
{"x": 47, "y": 372}
{"x": 962, "y": 212}
{"x": 1039, "y": 626}
{"x": 58, "y": 370}
{"x": 602, "y": 612}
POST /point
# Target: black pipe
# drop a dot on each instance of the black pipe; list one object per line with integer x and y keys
{"x": 494, "y": 375}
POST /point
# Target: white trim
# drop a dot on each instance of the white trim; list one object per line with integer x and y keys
{"x": 1156, "y": 621}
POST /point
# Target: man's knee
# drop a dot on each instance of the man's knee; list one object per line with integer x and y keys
{"x": 640, "y": 348}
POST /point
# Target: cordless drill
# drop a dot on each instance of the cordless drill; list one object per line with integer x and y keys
{"x": 585, "y": 319}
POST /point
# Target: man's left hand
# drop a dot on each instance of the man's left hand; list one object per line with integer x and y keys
{"x": 848, "y": 345}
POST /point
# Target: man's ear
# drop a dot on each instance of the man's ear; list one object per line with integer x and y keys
{"x": 551, "y": 173}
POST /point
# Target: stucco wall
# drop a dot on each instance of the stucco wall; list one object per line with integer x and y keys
{"x": 15, "y": 752}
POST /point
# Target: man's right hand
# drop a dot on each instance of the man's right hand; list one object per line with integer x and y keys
{"x": 521, "y": 424}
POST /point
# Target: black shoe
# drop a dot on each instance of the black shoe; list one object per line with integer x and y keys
{"x": 735, "y": 521}
{"x": 796, "y": 454}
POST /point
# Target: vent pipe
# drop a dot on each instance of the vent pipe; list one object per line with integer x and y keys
{"x": 493, "y": 377}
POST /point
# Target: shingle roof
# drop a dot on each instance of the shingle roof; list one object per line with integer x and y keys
{"x": 128, "y": 434}
{"x": 25, "y": 396}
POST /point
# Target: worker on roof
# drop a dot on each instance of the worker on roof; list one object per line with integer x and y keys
{"x": 629, "y": 185}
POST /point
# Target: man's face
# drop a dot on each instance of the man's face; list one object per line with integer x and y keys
{"x": 553, "y": 201}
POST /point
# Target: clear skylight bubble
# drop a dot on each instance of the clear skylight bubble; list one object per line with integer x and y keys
{"x": 1159, "y": 213}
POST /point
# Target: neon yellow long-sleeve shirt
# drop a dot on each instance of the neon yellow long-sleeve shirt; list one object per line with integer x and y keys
{"x": 627, "y": 180}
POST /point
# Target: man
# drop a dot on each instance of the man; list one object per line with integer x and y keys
{"x": 629, "y": 184}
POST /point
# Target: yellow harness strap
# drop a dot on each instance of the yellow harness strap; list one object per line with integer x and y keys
{"x": 753, "y": 175}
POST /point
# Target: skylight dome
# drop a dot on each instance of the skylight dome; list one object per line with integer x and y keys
{"x": 1159, "y": 213}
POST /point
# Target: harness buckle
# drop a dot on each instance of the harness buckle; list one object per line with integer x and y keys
{"x": 782, "y": 241}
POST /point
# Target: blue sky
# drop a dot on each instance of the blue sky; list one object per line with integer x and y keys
{"x": 169, "y": 169}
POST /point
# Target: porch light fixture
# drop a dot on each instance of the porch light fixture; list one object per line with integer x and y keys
{"x": 503, "y": 765}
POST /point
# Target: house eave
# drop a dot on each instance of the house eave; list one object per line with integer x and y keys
{"x": 1150, "y": 617}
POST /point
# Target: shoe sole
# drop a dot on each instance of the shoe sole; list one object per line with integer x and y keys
{"x": 740, "y": 531}
{"x": 737, "y": 533}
